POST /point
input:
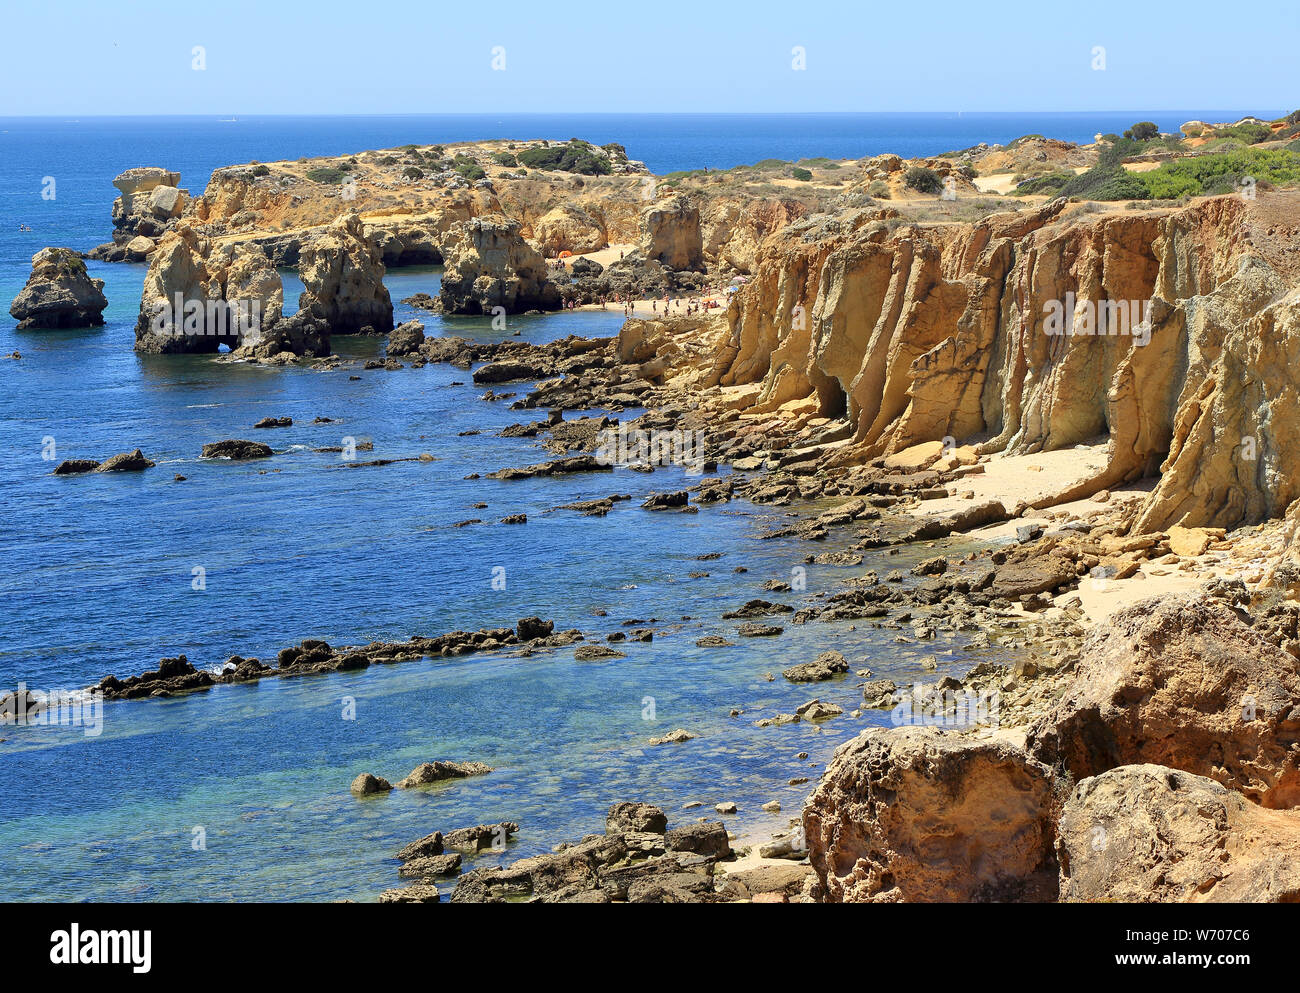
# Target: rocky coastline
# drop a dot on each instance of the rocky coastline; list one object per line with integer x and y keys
{"x": 1116, "y": 510}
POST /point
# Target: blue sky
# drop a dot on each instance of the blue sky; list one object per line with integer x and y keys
{"x": 90, "y": 57}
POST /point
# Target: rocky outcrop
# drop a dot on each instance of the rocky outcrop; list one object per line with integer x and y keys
{"x": 197, "y": 298}
{"x": 636, "y": 860}
{"x": 435, "y": 772}
{"x": 920, "y": 814}
{"x": 914, "y": 334}
{"x": 567, "y": 228}
{"x": 1181, "y": 681}
{"x": 671, "y": 233}
{"x": 59, "y": 293}
{"x": 489, "y": 264}
{"x": 149, "y": 205}
{"x": 1150, "y": 834}
{"x": 342, "y": 273}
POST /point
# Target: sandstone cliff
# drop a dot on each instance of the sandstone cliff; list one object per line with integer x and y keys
{"x": 197, "y": 298}
{"x": 342, "y": 273}
{"x": 489, "y": 264}
{"x": 916, "y": 333}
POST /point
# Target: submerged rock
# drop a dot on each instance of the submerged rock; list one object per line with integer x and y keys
{"x": 434, "y": 772}
{"x": 236, "y": 449}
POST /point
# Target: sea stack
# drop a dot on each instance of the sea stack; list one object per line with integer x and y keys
{"x": 59, "y": 293}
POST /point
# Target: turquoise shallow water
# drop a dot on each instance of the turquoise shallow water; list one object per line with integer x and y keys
{"x": 97, "y": 579}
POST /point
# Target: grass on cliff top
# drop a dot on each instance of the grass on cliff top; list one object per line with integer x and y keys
{"x": 1201, "y": 175}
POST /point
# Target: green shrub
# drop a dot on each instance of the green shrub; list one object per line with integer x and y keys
{"x": 326, "y": 176}
{"x": 261, "y": 170}
{"x": 471, "y": 170}
{"x": 923, "y": 180}
{"x": 1247, "y": 134}
{"x": 803, "y": 175}
{"x": 1222, "y": 173}
{"x": 413, "y": 172}
{"x": 505, "y": 159}
{"x": 1143, "y": 131}
{"x": 574, "y": 156}
{"x": 879, "y": 189}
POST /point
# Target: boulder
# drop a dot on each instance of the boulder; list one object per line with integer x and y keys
{"x": 366, "y": 784}
{"x": 1151, "y": 834}
{"x": 59, "y": 293}
{"x": 435, "y": 772}
{"x": 481, "y": 837}
{"x": 827, "y": 665}
{"x": 72, "y": 467}
{"x": 1181, "y": 681}
{"x": 126, "y": 462}
{"x": 633, "y": 816}
{"x": 708, "y": 839}
{"x": 406, "y": 339}
{"x": 530, "y": 628}
{"x": 236, "y": 449}
{"x": 922, "y": 815}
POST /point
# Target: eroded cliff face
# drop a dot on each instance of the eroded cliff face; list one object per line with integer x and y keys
{"x": 198, "y": 297}
{"x": 1186, "y": 325}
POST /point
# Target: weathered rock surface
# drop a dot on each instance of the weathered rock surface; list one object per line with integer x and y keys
{"x": 826, "y": 666}
{"x": 567, "y": 228}
{"x": 197, "y": 298}
{"x": 489, "y": 264}
{"x": 149, "y": 204}
{"x": 59, "y": 293}
{"x": 435, "y": 772}
{"x": 919, "y": 814}
{"x": 1151, "y": 834}
{"x": 342, "y": 271}
{"x": 1181, "y": 681}
{"x": 914, "y": 334}
{"x": 671, "y": 233}
{"x": 236, "y": 449}
{"x": 367, "y": 784}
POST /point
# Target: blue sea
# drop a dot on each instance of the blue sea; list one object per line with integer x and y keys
{"x": 241, "y": 793}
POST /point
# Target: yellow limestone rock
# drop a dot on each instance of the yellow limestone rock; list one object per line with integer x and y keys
{"x": 916, "y": 457}
{"x": 1190, "y": 541}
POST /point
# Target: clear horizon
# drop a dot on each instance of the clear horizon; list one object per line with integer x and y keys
{"x": 326, "y": 59}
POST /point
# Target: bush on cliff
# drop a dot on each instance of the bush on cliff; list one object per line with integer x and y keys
{"x": 327, "y": 176}
{"x": 803, "y": 175}
{"x": 1223, "y": 173}
{"x": 573, "y": 156}
{"x": 923, "y": 180}
{"x": 468, "y": 168}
